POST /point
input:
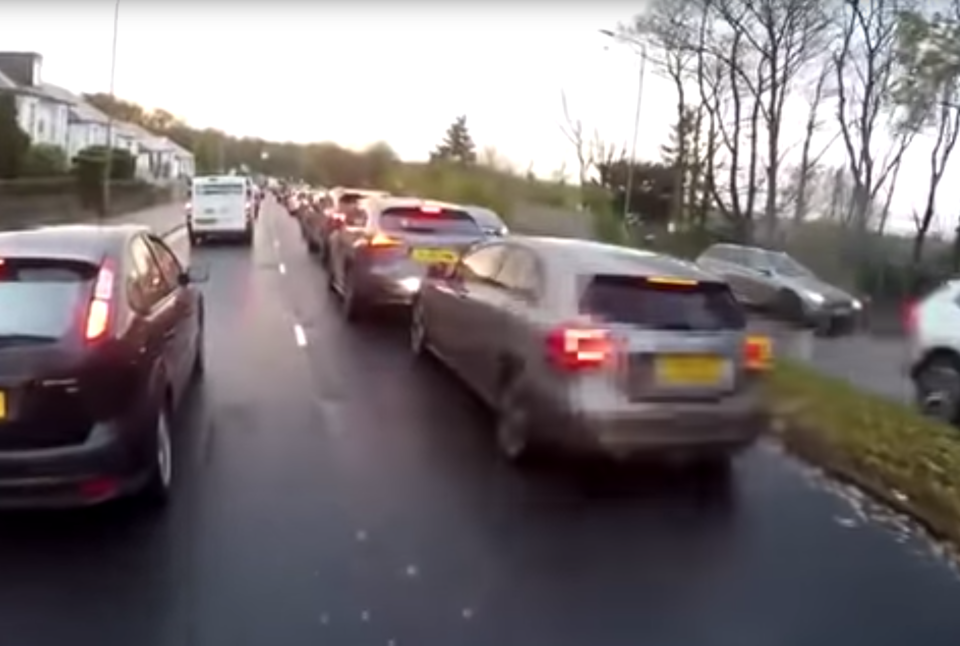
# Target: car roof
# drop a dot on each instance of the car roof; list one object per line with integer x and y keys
{"x": 484, "y": 216}
{"x": 590, "y": 257}
{"x": 83, "y": 242}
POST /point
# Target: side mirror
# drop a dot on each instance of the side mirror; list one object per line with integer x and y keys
{"x": 195, "y": 274}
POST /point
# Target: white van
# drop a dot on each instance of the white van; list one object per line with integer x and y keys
{"x": 220, "y": 206}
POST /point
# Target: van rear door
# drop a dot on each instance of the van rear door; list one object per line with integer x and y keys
{"x": 220, "y": 206}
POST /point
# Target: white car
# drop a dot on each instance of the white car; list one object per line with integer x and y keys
{"x": 933, "y": 332}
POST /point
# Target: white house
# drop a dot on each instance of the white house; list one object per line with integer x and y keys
{"x": 184, "y": 161}
{"x": 43, "y": 116}
{"x": 86, "y": 125}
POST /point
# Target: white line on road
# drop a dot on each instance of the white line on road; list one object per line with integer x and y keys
{"x": 282, "y": 268}
{"x": 300, "y": 335}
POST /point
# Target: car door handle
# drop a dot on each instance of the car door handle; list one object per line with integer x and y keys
{"x": 169, "y": 334}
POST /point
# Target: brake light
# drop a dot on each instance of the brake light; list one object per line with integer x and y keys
{"x": 579, "y": 348}
{"x": 378, "y": 241}
{"x": 910, "y": 317}
{"x": 433, "y": 210}
{"x": 757, "y": 353}
{"x": 98, "y": 312}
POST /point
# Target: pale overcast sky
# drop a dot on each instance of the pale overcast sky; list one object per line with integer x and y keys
{"x": 364, "y": 71}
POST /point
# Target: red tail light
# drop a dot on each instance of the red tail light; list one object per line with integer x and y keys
{"x": 757, "y": 353}
{"x": 579, "y": 348}
{"x": 98, "y": 312}
{"x": 910, "y": 317}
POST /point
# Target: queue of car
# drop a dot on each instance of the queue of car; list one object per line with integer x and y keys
{"x": 574, "y": 345}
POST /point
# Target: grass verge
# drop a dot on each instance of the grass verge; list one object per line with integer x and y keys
{"x": 903, "y": 459}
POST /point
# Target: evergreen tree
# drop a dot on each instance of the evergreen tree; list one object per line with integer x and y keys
{"x": 14, "y": 142}
{"x": 457, "y": 144}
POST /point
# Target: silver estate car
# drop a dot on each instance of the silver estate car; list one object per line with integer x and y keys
{"x": 382, "y": 251}
{"x": 775, "y": 281}
{"x": 592, "y": 347}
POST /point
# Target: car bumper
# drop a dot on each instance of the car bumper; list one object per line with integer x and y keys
{"x": 220, "y": 231}
{"x": 100, "y": 469}
{"x": 388, "y": 289}
{"x": 680, "y": 429}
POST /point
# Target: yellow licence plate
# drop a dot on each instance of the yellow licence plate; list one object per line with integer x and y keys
{"x": 693, "y": 370}
{"x": 434, "y": 256}
{"x": 3, "y": 405}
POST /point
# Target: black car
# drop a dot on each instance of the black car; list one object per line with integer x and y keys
{"x": 101, "y": 332}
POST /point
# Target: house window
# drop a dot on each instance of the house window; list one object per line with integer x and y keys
{"x": 32, "y": 119}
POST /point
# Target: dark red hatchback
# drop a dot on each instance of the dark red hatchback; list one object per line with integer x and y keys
{"x": 101, "y": 332}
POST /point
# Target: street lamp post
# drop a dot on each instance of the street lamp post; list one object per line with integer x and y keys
{"x": 636, "y": 119}
{"x": 108, "y": 160}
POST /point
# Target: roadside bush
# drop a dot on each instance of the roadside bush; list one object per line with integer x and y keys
{"x": 45, "y": 160}
{"x": 89, "y": 168}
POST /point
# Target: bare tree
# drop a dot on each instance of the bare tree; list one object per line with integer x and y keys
{"x": 721, "y": 96}
{"x": 779, "y": 40}
{"x": 928, "y": 90}
{"x": 809, "y": 158}
{"x": 668, "y": 28}
{"x": 572, "y": 128}
{"x": 865, "y": 68}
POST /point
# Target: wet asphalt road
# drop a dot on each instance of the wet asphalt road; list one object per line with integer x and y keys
{"x": 334, "y": 493}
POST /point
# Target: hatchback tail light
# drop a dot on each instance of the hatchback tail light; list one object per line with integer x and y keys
{"x": 378, "y": 241}
{"x": 576, "y": 348}
{"x": 757, "y": 353}
{"x": 99, "y": 308}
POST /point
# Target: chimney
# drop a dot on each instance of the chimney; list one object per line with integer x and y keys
{"x": 23, "y": 68}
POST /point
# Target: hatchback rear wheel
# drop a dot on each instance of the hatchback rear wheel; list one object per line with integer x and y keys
{"x": 157, "y": 490}
{"x": 512, "y": 425}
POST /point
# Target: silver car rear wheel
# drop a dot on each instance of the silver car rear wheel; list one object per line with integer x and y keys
{"x": 512, "y": 426}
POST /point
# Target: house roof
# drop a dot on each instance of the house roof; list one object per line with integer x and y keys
{"x": 80, "y": 110}
{"x": 146, "y": 138}
{"x": 41, "y": 92}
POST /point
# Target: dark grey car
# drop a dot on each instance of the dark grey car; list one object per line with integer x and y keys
{"x": 383, "y": 249}
{"x": 775, "y": 281}
{"x": 589, "y": 346}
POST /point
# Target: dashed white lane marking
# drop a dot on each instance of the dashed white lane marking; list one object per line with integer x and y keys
{"x": 300, "y": 335}
{"x": 282, "y": 268}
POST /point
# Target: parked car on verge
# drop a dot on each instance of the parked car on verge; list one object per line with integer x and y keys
{"x": 329, "y": 215}
{"x": 776, "y": 282}
{"x": 380, "y": 253}
{"x": 101, "y": 332}
{"x": 591, "y": 347}
{"x": 933, "y": 333}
